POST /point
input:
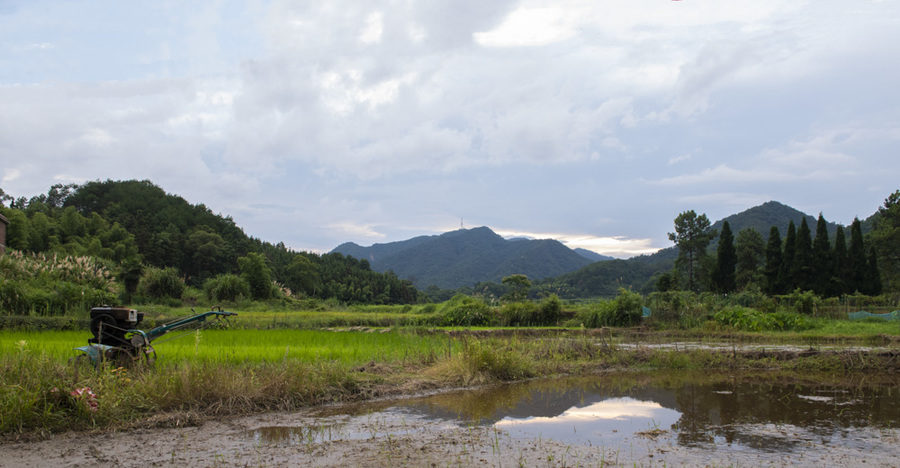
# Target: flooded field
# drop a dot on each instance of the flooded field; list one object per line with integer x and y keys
{"x": 613, "y": 419}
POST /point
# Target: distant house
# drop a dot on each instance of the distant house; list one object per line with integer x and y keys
{"x": 3, "y": 223}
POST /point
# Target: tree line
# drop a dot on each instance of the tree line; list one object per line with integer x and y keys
{"x": 827, "y": 266}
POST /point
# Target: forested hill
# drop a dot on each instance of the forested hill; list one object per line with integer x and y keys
{"x": 467, "y": 256}
{"x": 137, "y": 228}
{"x": 640, "y": 273}
{"x": 769, "y": 214}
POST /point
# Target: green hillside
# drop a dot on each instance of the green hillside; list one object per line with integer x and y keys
{"x": 468, "y": 256}
{"x": 139, "y": 236}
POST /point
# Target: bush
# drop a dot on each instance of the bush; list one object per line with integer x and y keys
{"x": 515, "y": 314}
{"x": 623, "y": 311}
{"x": 747, "y": 319}
{"x": 529, "y": 314}
{"x": 805, "y": 302}
{"x": 465, "y": 311}
{"x": 229, "y": 288}
{"x": 157, "y": 284}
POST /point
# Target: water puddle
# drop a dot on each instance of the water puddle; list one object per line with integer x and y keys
{"x": 750, "y": 413}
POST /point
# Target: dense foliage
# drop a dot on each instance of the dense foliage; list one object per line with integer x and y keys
{"x": 154, "y": 245}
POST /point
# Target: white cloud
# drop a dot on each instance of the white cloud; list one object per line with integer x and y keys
{"x": 531, "y": 27}
{"x": 373, "y": 29}
{"x": 614, "y": 246}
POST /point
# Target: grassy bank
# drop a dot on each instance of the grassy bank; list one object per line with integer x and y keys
{"x": 42, "y": 392}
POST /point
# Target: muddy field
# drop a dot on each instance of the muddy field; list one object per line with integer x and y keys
{"x": 400, "y": 441}
{"x": 612, "y": 420}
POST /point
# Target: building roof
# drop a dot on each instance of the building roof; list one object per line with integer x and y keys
{"x": 3, "y": 219}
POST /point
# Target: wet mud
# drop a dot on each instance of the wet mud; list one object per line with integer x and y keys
{"x": 611, "y": 419}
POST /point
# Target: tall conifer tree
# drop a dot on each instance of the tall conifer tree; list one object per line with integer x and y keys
{"x": 773, "y": 262}
{"x": 787, "y": 282}
{"x": 822, "y": 260}
{"x": 872, "y": 279}
{"x": 723, "y": 276}
{"x": 839, "y": 272}
{"x": 750, "y": 247}
{"x": 856, "y": 259}
{"x": 801, "y": 268}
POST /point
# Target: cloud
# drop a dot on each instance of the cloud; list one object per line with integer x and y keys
{"x": 614, "y": 246}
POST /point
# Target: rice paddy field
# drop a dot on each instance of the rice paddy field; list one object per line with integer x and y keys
{"x": 241, "y": 346}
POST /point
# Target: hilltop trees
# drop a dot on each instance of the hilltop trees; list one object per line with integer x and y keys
{"x": 814, "y": 265}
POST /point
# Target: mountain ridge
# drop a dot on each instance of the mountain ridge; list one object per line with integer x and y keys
{"x": 465, "y": 257}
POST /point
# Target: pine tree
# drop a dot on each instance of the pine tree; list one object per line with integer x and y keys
{"x": 692, "y": 236}
{"x": 856, "y": 259}
{"x": 723, "y": 275}
{"x": 872, "y": 279}
{"x": 750, "y": 247}
{"x": 786, "y": 282}
{"x": 839, "y": 272}
{"x": 822, "y": 260}
{"x": 885, "y": 238}
{"x": 773, "y": 262}
{"x": 801, "y": 268}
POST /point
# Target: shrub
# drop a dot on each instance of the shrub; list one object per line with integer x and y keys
{"x": 747, "y": 319}
{"x": 465, "y": 311}
{"x": 530, "y": 314}
{"x": 514, "y": 314}
{"x": 157, "y": 283}
{"x": 805, "y": 302}
{"x": 226, "y": 288}
{"x": 623, "y": 311}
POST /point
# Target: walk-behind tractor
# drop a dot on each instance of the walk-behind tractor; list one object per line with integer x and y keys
{"x": 116, "y": 338}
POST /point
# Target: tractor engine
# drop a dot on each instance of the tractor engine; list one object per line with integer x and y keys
{"x": 109, "y": 324}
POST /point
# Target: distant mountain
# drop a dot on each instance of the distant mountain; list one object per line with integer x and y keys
{"x": 592, "y": 256}
{"x": 466, "y": 257}
{"x": 769, "y": 214}
{"x": 640, "y": 273}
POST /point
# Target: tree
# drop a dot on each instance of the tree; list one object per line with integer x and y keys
{"x": 856, "y": 259}
{"x": 520, "y": 284}
{"x": 885, "y": 238}
{"x": 692, "y": 236}
{"x": 840, "y": 269}
{"x": 773, "y": 262}
{"x": 257, "y": 274}
{"x": 786, "y": 282}
{"x": 872, "y": 278}
{"x": 750, "y": 248}
{"x": 302, "y": 275}
{"x": 801, "y": 267}
{"x": 822, "y": 260}
{"x": 4, "y": 198}
{"x": 723, "y": 275}
{"x": 18, "y": 233}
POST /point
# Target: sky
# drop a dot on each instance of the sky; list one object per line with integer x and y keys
{"x": 591, "y": 122}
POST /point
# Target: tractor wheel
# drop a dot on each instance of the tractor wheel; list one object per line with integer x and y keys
{"x": 102, "y": 321}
